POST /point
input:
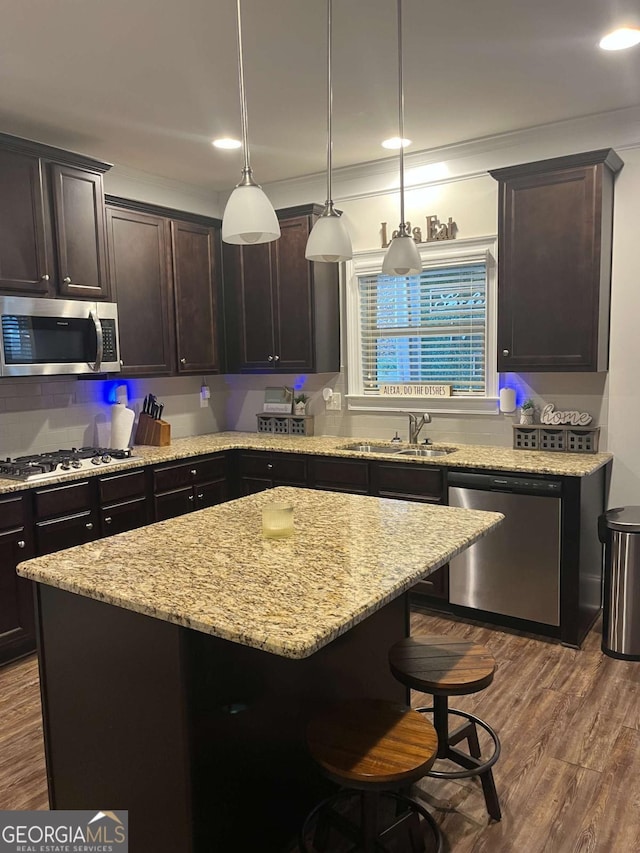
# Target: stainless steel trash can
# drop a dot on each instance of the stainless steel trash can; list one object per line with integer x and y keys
{"x": 619, "y": 530}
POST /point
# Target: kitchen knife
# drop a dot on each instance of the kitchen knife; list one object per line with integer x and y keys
{"x": 160, "y": 410}
{"x": 145, "y": 406}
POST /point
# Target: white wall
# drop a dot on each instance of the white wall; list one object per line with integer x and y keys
{"x": 140, "y": 186}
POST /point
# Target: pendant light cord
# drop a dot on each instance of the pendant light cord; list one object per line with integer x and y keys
{"x": 400, "y": 115}
{"x": 243, "y": 98}
{"x": 329, "y": 102}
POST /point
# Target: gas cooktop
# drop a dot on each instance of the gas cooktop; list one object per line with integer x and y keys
{"x": 44, "y": 466}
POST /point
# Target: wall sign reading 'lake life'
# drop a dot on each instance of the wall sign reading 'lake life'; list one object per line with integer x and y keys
{"x": 415, "y": 389}
{"x": 549, "y": 416}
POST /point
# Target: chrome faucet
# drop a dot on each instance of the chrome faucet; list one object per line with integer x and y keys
{"x": 416, "y": 422}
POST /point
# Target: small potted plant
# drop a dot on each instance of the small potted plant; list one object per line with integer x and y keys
{"x": 300, "y": 404}
{"x": 527, "y": 412}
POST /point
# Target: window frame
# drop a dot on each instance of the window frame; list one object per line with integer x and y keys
{"x": 465, "y": 250}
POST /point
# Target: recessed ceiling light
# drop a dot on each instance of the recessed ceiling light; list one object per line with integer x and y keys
{"x": 227, "y": 143}
{"x": 621, "y": 39}
{"x": 396, "y": 142}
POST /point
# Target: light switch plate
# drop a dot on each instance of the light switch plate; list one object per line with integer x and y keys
{"x": 335, "y": 403}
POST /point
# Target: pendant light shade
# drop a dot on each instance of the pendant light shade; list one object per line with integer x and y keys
{"x": 249, "y": 216}
{"x": 402, "y": 257}
{"x": 329, "y": 241}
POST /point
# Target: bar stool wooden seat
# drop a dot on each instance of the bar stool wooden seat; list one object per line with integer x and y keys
{"x": 445, "y": 666}
{"x": 371, "y": 748}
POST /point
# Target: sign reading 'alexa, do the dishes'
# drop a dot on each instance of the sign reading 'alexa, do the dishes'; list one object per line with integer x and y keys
{"x": 415, "y": 389}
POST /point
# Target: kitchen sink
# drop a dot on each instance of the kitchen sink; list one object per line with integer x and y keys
{"x": 423, "y": 451}
{"x": 371, "y": 448}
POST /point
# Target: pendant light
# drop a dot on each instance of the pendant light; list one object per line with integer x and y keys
{"x": 249, "y": 216}
{"x": 402, "y": 257}
{"x": 329, "y": 240}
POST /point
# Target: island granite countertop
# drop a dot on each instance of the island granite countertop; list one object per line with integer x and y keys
{"x": 460, "y": 456}
{"x": 212, "y": 571}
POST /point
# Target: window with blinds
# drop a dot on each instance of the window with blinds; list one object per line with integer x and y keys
{"x": 428, "y": 328}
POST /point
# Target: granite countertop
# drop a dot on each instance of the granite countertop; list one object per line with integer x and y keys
{"x": 213, "y": 571}
{"x": 461, "y": 455}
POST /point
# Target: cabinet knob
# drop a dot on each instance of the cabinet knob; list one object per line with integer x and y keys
{"x": 200, "y": 496}
{"x": 89, "y": 525}
{"x": 21, "y": 543}
{"x": 276, "y": 358}
{"x": 183, "y": 361}
{"x": 67, "y": 279}
{"x": 121, "y": 363}
{"x": 190, "y": 497}
{"x": 270, "y": 358}
{"x": 44, "y": 277}
{"x": 193, "y": 472}
{"x": 269, "y": 465}
{"x": 107, "y": 520}
{"x": 505, "y": 352}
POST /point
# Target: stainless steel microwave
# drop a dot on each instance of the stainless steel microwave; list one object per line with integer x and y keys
{"x": 39, "y": 337}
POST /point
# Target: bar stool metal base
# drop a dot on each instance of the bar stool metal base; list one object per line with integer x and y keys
{"x": 473, "y": 764}
{"x": 367, "y": 837}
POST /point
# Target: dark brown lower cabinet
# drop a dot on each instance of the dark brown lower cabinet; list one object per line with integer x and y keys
{"x": 127, "y": 515}
{"x": 65, "y": 532}
{"x": 188, "y": 486}
{"x": 259, "y": 471}
{"x": 339, "y": 475}
{"x": 17, "y": 627}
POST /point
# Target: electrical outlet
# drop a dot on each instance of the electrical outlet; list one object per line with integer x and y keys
{"x": 204, "y": 401}
{"x": 335, "y": 403}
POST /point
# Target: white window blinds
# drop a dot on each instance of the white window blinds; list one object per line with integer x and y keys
{"x": 428, "y": 328}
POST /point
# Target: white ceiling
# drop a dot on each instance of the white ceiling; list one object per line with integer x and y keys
{"x": 148, "y": 83}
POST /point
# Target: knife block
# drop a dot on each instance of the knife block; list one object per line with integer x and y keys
{"x": 153, "y": 432}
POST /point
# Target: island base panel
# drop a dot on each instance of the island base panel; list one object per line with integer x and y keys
{"x": 202, "y": 740}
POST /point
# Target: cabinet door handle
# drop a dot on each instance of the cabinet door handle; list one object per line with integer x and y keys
{"x": 121, "y": 363}
{"x": 190, "y": 497}
{"x": 269, "y": 465}
{"x": 21, "y": 543}
{"x": 67, "y": 279}
{"x": 505, "y": 352}
{"x": 276, "y": 358}
{"x": 193, "y": 472}
{"x": 200, "y": 496}
{"x": 89, "y": 525}
{"x": 270, "y": 358}
{"x": 183, "y": 361}
{"x": 108, "y": 520}
{"x": 44, "y": 277}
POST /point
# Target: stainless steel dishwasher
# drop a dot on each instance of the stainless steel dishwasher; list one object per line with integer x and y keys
{"x": 515, "y": 570}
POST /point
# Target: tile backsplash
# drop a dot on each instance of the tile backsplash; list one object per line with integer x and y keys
{"x": 53, "y": 412}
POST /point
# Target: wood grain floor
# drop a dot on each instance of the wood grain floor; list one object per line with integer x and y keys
{"x": 569, "y": 721}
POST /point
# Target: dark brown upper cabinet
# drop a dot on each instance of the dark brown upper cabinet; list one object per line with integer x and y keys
{"x": 23, "y": 253}
{"x": 282, "y": 312}
{"x": 78, "y": 203}
{"x": 52, "y": 227}
{"x": 165, "y": 277}
{"x": 554, "y": 265}
{"x": 193, "y": 249}
{"x": 138, "y": 268}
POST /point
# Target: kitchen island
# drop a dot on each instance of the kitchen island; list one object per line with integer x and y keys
{"x": 180, "y": 661}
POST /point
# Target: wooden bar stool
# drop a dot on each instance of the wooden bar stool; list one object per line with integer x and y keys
{"x": 444, "y": 667}
{"x": 371, "y": 748}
